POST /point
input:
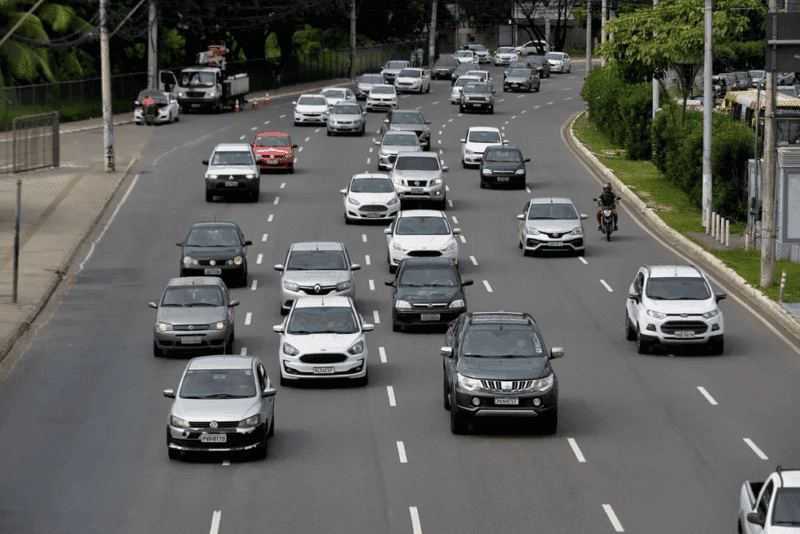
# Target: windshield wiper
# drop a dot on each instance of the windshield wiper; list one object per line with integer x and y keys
{"x": 224, "y": 396}
{"x": 193, "y": 304}
{"x": 172, "y": 305}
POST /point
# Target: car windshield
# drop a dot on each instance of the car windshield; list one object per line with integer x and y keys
{"x": 504, "y": 154}
{"x": 787, "y": 90}
{"x": 678, "y": 288}
{"x": 416, "y": 164}
{"x": 428, "y": 276}
{"x": 383, "y": 90}
{"x": 238, "y": 157}
{"x": 218, "y": 384}
{"x": 553, "y": 55}
{"x": 757, "y": 73}
{"x": 198, "y": 79}
{"x": 346, "y": 109}
{"x": 520, "y": 73}
{"x": 535, "y": 60}
{"x": 372, "y": 185}
{"x": 322, "y": 320}
{"x": 316, "y": 260}
{"x": 190, "y": 296}
{"x": 422, "y": 226}
{"x": 272, "y": 140}
{"x": 477, "y": 88}
{"x": 371, "y": 78}
{"x": 333, "y": 93}
{"x": 446, "y": 62}
{"x": 400, "y": 140}
{"x": 484, "y": 137}
{"x": 407, "y": 117}
{"x": 312, "y": 101}
{"x": 410, "y": 73}
{"x": 552, "y": 211}
{"x": 787, "y": 507}
{"x": 477, "y": 48}
{"x": 396, "y": 65}
{"x": 501, "y": 341}
{"x": 213, "y": 237}
{"x": 461, "y": 82}
{"x": 463, "y": 53}
{"x": 505, "y": 50}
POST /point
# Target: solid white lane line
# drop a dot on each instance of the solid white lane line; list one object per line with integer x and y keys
{"x": 282, "y": 116}
{"x": 368, "y": 160}
{"x": 248, "y": 318}
{"x": 254, "y": 286}
{"x": 364, "y": 238}
{"x": 449, "y": 202}
{"x": 415, "y": 524}
{"x": 474, "y": 261}
{"x": 264, "y": 237}
{"x": 382, "y": 352}
{"x": 613, "y": 518}
{"x": 283, "y": 184}
{"x": 576, "y": 450}
{"x": 401, "y": 451}
{"x": 606, "y": 285}
{"x": 366, "y": 259}
{"x": 372, "y": 285}
{"x": 488, "y": 287}
{"x": 390, "y": 392}
{"x": 259, "y": 258}
{"x": 242, "y": 137}
{"x": 277, "y": 199}
{"x": 583, "y": 261}
{"x": 462, "y": 238}
{"x": 215, "y": 522}
{"x": 455, "y": 221}
{"x": 755, "y": 448}
{"x": 269, "y": 219}
{"x": 244, "y": 351}
{"x": 307, "y": 139}
{"x": 113, "y": 216}
{"x": 707, "y": 395}
{"x": 226, "y": 462}
{"x": 376, "y": 317}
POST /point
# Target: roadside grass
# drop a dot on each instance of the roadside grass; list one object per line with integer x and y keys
{"x": 672, "y": 205}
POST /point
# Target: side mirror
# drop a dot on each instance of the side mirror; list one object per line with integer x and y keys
{"x": 721, "y": 296}
{"x": 205, "y": 162}
{"x": 387, "y": 231}
{"x": 248, "y": 243}
{"x": 270, "y": 392}
{"x": 445, "y": 168}
{"x": 446, "y": 351}
{"x": 355, "y": 267}
{"x": 505, "y": 142}
{"x": 521, "y": 216}
{"x": 463, "y": 140}
{"x": 634, "y": 296}
{"x": 343, "y": 191}
{"x": 234, "y": 303}
{"x": 294, "y": 146}
{"x": 527, "y": 160}
{"x": 279, "y": 267}
{"x": 556, "y": 352}
{"x": 278, "y": 328}
{"x": 756, "y": 519}
{"x": 170, "y": 393}
{"x": 584, "y": 216}
{"x": 456, "y": 231}
{"x": 179, "y": 243}
{"x": 467, "y": 282}
{"x": 153, "y": 305}
{"x": 366, "y": 327}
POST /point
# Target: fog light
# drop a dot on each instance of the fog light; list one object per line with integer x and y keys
{"x": 537, "y": 402}
{"x": 714, "y": 327}
{"x": 651, "y": 327}
{"x": 437, "y": 193}
{"x": 476, "y": 401}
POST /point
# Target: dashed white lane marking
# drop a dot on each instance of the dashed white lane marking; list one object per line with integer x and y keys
{"x": 488, "y": 287}
{"x": 376, "y": 317}
{"x": 266, "y": 122}
{"x": 242, "y": 137}
{"x": 364, "y": 238}
{"x": 248, "y": 318}
{"x": 299, "y": 150}
{"x": 502, "y": 127}
{"x": 514, "y": 117}
{"x": 528, "y": 189}
{"x": 583, "y": 261}
{"x": 307, "y": 139}
{"x": 401, "y": 451}
{"x": 215, "y": 522}
{"x": 755, "y": 449}
{"x": 535, "y": 107}
{"x": 283, "y": 184}
{"x": 440, "y": 141}
{"x": 226, "y": 462}
{"x": 440, "y": 132}
{"x": 264, "y": 237}
{"x": 520, "y": 96}
{"x": 370, "y": 149}
{"x": 707, "y": 395}
{"x": 462, "y": 238}
{"x": 441, "y": 151}
{"x": 271, "y": 216}
{"x": 434, "y": 103}
{"x": 368, "y": 160}
{"x": 502, "y": 100}
{"x": 282, "y": 116}
{"x": 244, "y": 351}
{"x": 549, "y": 103}
{"x": 377, "y": 131}
{"x": 451, "y": 120}
{"x": 277, "y": 199}
{"x": 415, "y": 524}
{"x": 460, "y": 114}
{"x": 606, "y": 285}
{"x": 390, "y": 392}
{"x": 372, "y": 285}
{"x": 447, "y": 188}
{"x": 259, "y": 258}
{"x": 568, "y": 98}
{"x": 474, "y": 261}
{"x": 254, "y": 128}
{"x": 317, "y": 130}
{"x": 524, "y": 111}
{"x": 613, "y": 518}
{"x": 382, "y": 352}
{"x": 505, "y": 122}
{"x": 449, "y": 202}
{"x": 366, "y": 259}
{"x": 254, "y": 286}
{"x": 576, "y": 450}
{"x": 455, "y": 221}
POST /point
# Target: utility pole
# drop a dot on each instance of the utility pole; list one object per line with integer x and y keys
{"x": 656, "y": 85}
{"x": 455, "y": 40}
{"x": 105, "y": 67}
{"x": 588, "y": 37}
{"x": 352, "y": 73}
{"x": 152, "y": 47}
{"x": 768, "y": 202}
{"x": 708, "y": 105}
{"x": 603, "y": 20}
{"x": 432, "y": 35}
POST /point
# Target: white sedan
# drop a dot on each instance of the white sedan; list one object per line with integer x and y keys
{"x": 334, "y": 95}
{"x": 466, "y": 56}
{"x": 559, "y": 62}
{"x": 416, "y": 80}
{"x": 420, "y": 233}
{"x": 311, "y": 109}
{"x": 167, "y": 108}
{"x": 370, "y": 196}
{"x": 475, "y": 143}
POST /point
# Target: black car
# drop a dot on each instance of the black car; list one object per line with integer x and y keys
{"x": 497, "y": 365}
{"x": 461, "y": 70}
{"x": 475, "y": 96}
{"x": 503, "y": 165}
{"x": 444, "y": 67}
{"x": 403, "y": 120}
{"x": 215, "y": 248}
{"x": 515, "y": 65}
{"x": 427, "y": 291}
{"x": 539, "y": 63}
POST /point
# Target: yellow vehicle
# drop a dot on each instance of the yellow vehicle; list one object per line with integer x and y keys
{"x": 741, "y": 105}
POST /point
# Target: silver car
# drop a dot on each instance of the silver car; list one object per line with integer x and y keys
{"x": 370, "y": 196}
{"x": 413, "y": 80}
{"x": 323, "y": 337}
{"x": 194, "y": 312}
{"x": 316, "y": 268}
{"x": 347, "y": 117}
{"x": 550, "y": 223}
{"x": 365, "y": 84}
{"x": 222, "y": 404}
{"x": 420, "y": 176}
{"x": 392, "y": 69}
{"x": 475, "y": 96}
{"x": 392, "y": 144}
{"x": 420, "y": 233}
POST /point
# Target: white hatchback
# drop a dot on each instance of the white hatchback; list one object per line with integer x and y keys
{"x": 559, "y": 62}
{"x": 420, "y": 233}
{"x": 370, "y": 196}
{"x": 311, "y": 109}
{"x": 466, "y": 56}
{"x": 381, "y": 97}
{"x": 478, "y": 138}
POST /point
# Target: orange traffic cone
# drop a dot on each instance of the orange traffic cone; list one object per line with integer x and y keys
{"x": 237, "y": 106}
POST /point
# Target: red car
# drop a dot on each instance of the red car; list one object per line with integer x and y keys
{"x": 274, "y": 150}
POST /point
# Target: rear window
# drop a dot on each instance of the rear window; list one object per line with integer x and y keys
{"x": 416, "y": 164}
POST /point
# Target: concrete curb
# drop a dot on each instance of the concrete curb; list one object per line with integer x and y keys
{"x": 753, "y": 295}
{"x": 118, "y": 123}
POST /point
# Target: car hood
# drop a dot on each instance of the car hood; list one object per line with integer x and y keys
{"x": 316, "y": 277}
{"x": 545, "y": 225}
{"x": 322, "y": 342}
{"x": 194, "y": 315}
{"x": 479, "y": 147}
{"x": 372, "y": 198}
{"x": 331, "y": 100}
{"x": 212, "y": 253}
{"x": 416, "y": 175}
{"x": 274, "y": 150}
{"x": 394, "y": 72}
{"x": 502, "y": 165}
{"x": 396, "y": 149}
{"x": 346, "y": 117}
{"x": 367, "y": 87}
{"x": 379, "y": 96}
{"x": 691, "y": 307}
{"x": 427, "y": 294}
{"x": 516, "y": 79}
{"x": 215, "y": 409}
{"x": 224, "y": 170}
{"x": 423, "y": 242}
{"x": 504, "y": 368}
{"x": 409, "y": 128}
{"x": 449, "y": 68}
{"x": 311, "y": 109}
{"x": 408, "y": 79}
{"x": 467, "y": 94}
{"x": 554, "y": 61}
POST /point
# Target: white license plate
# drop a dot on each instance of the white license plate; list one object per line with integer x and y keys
{"x": 476, "y": 105}
{"x": 373, "y": 214}
{"x": 193, "y": 340}
{"x": 213, "y": 438}
{"x": 514, "y": 85}
{"x": 684, "y": 334}
{"x": 212, "y": 271}
{"x": 323, "y": 370}
{"x": 429, "y": 317}
{"x": 231, "y": 184}
{"x": 416, "y": 191}
{"x": 506, "y": 401}
{"x": 272, "y": 162}
{"x": 502, "y": 178}
{"x": 195, "y": 105}
{"x": 556, "y": 243}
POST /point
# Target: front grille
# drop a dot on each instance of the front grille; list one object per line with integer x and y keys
{"x": 312, "y": 114}
{"x": 425, "y": 253}
{"x": 191, "y": 94}
{"x": 431, "y": 305}
{"x": 416, "y": 183}
{"x": 323, "y": 358}
{"x": 322, "y": 290}
{"x": 217, "y": 263}
{"x": 372, "y": 207}
{"x": 392, "y": 157}
{"x": 187, "y": 327}
{"x": 207, "y": 424}
{"x": 670, "y": 327}
{"x": 516, "y": 385}
{"x": 555, "y": 235}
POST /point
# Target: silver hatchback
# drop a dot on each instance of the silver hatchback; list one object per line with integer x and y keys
{"x": 316, "y": 268}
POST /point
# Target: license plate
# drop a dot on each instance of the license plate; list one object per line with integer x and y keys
{"x": 212, "y": 271}
{"x": 684, "y": 334}
{"x": 476, "y": 105}
{"x": 556, "y": 243}
{"x": 194, "y": 340}
{"x": 430, "y": 317}
{"x": 373, "y": 214}
{"x": 502, "y": 178}
{"x": 514, "y": 85}
{"x": 272, "y": 162}
{"x": 213, "y": 438}
{"x": 195, "y": 105}
{"x": 416, "y": 191}
{"x": 231, "y": 184}
{"x": 323, "y": 370}
{"x": 506, "y": 401}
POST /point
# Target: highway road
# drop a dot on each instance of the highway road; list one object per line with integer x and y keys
{"x": 646, "y": 444}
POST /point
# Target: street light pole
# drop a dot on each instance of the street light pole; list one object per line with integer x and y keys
{"x": 432, "y": 35}
{"x": 656, "y": 86}
{"x": 352, "y": 73}
{"x": 105, "y": 67}
{"x": 152, "y": 47}
{"x": 588, "y": 37}
{"x": 708, "y": 104}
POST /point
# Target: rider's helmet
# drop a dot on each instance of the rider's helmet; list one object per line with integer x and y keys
{"x": 607, "y": 187}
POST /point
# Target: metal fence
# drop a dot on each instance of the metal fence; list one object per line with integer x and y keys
{"x": 32, "y": 143}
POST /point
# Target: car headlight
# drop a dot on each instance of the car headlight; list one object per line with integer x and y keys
{"x": 163, "y": 327}
{"x": 211, "y": 94}
{"x": 180, "y": 94}
{"x": 398, "y": 246}
{"x": 458, "y": 303}
{"x": 220, "y": 325}
{"x": 486, "y": 172}
{"x": 250, "y": 176}
{"x": 402, "y": 305}
{"x": 448, "y": 247}
{"x": 332, "y": 122}
{"x": 290, "y": 350}
{"x": 177, "y": 421}
{"x": 238, "y": 260}
{"x": 212, "y": 177}
{"x": 470, "y": 384}
{"x": 543, "y": 384}
{"x": 519, "y": 171}
{"x": 710, "y": 314}
{"x": 533, "y": 231}
{"x": 392, "y": 202}
{"x": 468, "y": 151}
{"x": 139, "y": 110}
{"x": 188, "y": 260}
{"x": 290, "y": 286}
{"x": 353, "y": 201}
{"x": 343, "y": 286}
{"x": 250, "y": 421}
{"x": 656, "y": 314}
{"x": 160, "y": 110}
{"x": 576, "y": 231}
{"x": 436, "y": 181}
{"x": 358, "y": 348}
{"x": 397, "y": 181}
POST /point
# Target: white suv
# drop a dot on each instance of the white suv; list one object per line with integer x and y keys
{"x": 673, "y": 305}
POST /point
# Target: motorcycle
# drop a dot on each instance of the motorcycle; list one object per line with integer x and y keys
{"x": 607, "y": 219}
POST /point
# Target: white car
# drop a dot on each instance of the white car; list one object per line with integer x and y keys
{"x": 370, "y": 196}
{"x": 482, "y": 54}
{"x": 505, "y": 55}
{"x": 476, "y": 141}
{"x": 482, "y": 75}
{"x": 167, "y": 108}
{"x": 530, "y": 48}
{"x": 559, "y": 62}
{"x": 413, "y": 80}
{"x": 466, "y": 56}
{"x": 323, "y": 338}
{"x": 420, "y": 233}
{"x": 455, "y": 92}
{"x": 392, "y": 68}
{"x": 381, "y": 97}
{"x": 311, "y": 109}
{"x": 550, "y": 224}
{"x": 334, "y": 95}
{"x": 393, "y": 143}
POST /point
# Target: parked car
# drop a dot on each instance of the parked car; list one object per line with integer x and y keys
{"x": 215, "y": 248}
{"x": 534, "y": 47}
{"x": 559, "y": 62}
{"x": 365, "y": 83}
{"x": 789, "y": 90}
{"x": 503, "y": 165}
{"x": 476, "y": 96}
{"x": 413, "y": 80}
{"x": 758, "y": 76}
{"x": 370, "y": 196}
{"x": 382, "y": 97}
{"x": 745, "y": 81}
{"x": 311, "y": 109}
{"x": 522, "y": 80}
{"x": 466, "y": 56}
{"x": 475, "y": 143}
{"x": 274, "y": 150}
{"x": 194, "y": 312}
{"x": 541, "y": 65}
{"x": 420, "y": 176}
{"x": 167, "y": 108}
{"x": 404, "y": 120}
{"x": 392, "y": 68}
{"x": 392, "y": 144}
{"x": 505, "y": 55}
{"x": 550, "y": 223}
{"x": 335, "y": 95}
{"x": 232, "y": 169}
{"x": 444, "y": 67}
{"x": 347, "y": 117}
{"x": 420, "y": 233}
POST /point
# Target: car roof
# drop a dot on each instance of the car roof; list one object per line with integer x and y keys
{"x": 483, "y": 129}
{"x": 332, "y": 87}
{"x": 503, "y": 147}
{"x": 671, "y": 271}
{"x": 310, "y": 94}
{"x": 272, "y": 134}
{"x": 382, "y": 85}
{"x": 420, "y": 213}
{"x": 316, "y": 301}
{"x": 551, "y": 200}
{"x": 195, "y": 281}
{"x": 221, "y": 362}
{"x": 214, "y": 224}
{"x": 400, "y": 132}
{"x": 372, "y": 174}
{"x": 418, "y": 155}
{"x": 317, "y": 245}
{"x": 233, "y": 147}
{"x": 500, "y": 317}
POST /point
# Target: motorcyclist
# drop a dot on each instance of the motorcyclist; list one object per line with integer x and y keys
{"x": 607, "y": 199}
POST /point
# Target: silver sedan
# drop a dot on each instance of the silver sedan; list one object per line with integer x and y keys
{"x": 392, "y": 144}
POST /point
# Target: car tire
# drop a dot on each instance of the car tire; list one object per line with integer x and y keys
{"x": 363, "y": 131}
{"x": 483, "y": 185}
{"x": 460, "y": 108}
{"x": 284, "y": 382}
{"x": 254, "y": 196}
{"x": 463, "y": 164}
{"x": 491, "y": 110}
{"x": 173, "y": 454}
{"x": 329, "y": 133}
{"x": 458, "y": 422}
{"x": 642, "y": 345}
{"x": 260, "y": 452}
{"x": 291, "y": 169}
{"x": 177, "y": 118}
{"x": 271, "y": 427}
{"x": 443, "y": 204}
{"x": 569, "y": 69}
{"x": 519, "y": 244}
{"x": 157, "y": 352}
{"x": 550, "y": 423}
{"x": 716, "y": 345}
{"x": 505, "y": 90}
{"x": 630, "y": 332}
{"x": 209, "y": 196}
{"x": 428, "y": 90}
{"x": 347, "y": 219}
{"x": 445, "y": 393}
{"x": 396, "y": 327}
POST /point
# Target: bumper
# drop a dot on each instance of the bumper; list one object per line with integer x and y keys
{"x": 476, "y": 105}
{"x": 197, "y": 103}
{"x": 346, "y": 128}
{"x": 503, "y": 180}
{"x": 425, "y": 316}
{"x": 381, "y": 104}
{"x": 185, "y": 340}
{"x": 138, "y": 117}
{"x": 221, "y": 186}
{"x": 274, "y": 163}
{"x": 484, "y": 59}
{"x": 310, "y": 119}
{"x": 558, "y": 68}
{"x": 288, "y": 297}
{"x": 542, "y": 242}
{"x": 671, "y": 332}
{"x": 293, "y": 369}
{"x": 436, "y": 192}
{"x": 473, "y": 159}
{"x": 488, "y": 404}
{"x": 407, "y": 88}
{"x": 355, "y": 215}
{"x": 227, "y": 272}
{"x": 236, "y": 439}
{"x": 516, "y": 87}
{"x": 396, "y": 256}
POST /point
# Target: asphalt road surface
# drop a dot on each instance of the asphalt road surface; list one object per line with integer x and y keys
{"x": 646, "y": 444}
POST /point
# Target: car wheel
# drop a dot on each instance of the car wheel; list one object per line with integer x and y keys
{"x": 483, "y": 185}
{"x": 537, "y": 88}
{"x": 491, "y": 110}
{"x": 460, "y": 108}
{"x": 569, "y": 69}
{"x": 519, "y": 243}
{"x": 630, "y": 333}
{"x": 329, "y": 133}
{"x": 157, "y": 352}
{"x": 428, "y": 90}
{"x": 392, "y": 268}
{"x": 177, "y": 118}
{"x": 397, "y": 327}
{"x": 347, "y": 219}
{"x": 505, "y": 90}
{"x": 716, "y": 345}
{"x": 463, "y": 164}
{"x": 458, "y": 422}
{"x": 271, "y": 427}
{"x": 209, "y": 196}
{"x": 445, "y": 393}
{"x": 642, "y": 345}
{"x": 254, "y": 196}
{"x": 284, "y": 382}
{"x": 550, "y": 423}
{"x": 260, "y": 452}
{"x": 363, "y": 131}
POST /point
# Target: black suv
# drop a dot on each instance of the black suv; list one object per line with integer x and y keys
{"x": 427, "y": 291}
{"x": 404, "y": 120}
{"x": 215, "y": 248}
{"x": 496, "y": 365}
{"x": 503, "y": 165}
{"x": 444, "y": 67}
{"x": 539, "y": 63}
